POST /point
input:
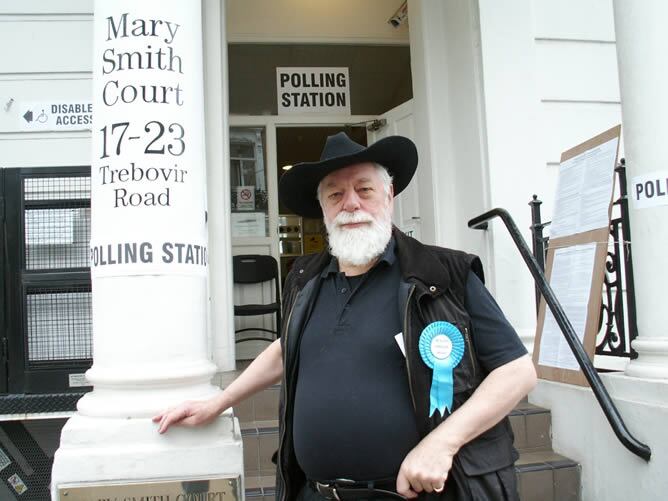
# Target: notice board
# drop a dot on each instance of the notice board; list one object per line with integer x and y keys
{"x": 576, "y": 255}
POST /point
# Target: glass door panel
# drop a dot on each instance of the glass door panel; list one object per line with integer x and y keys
{"x": 248, "y": 180}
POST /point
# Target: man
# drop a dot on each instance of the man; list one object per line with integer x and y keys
{"x": 397, "y": 366}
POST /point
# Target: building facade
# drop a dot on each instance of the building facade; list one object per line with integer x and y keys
{"x": 491, "y": 92}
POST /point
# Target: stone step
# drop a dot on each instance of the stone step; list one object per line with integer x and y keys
{"x": 547, "y": 476}
{"x": 532, "y": 427}
{"x": 260, "y": 488}
{"x": 260, "y": 440}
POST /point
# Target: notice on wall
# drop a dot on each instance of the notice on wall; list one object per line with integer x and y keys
{"x": 245, "y": 197}
{"x": 249, "y": 224}
{"x": 571, "y": 280}
{"x": 576, "y": 254}
{"x": 650, "y": 190}
{"x": 147, "y": 172}
{"x": 56, "y": 115}
{"x": 584, "y": 191}
{"x": 313, "y": 90}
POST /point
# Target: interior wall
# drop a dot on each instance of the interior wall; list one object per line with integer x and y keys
{"x": 295, "y": 21}
{"x": 379, "y": 76}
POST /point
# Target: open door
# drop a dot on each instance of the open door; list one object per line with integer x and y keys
{"x": 399, "y": 121}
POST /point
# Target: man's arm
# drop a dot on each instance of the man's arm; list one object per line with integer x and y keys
{"x": 426, "y": 467}
{"x": 265, "y": 370}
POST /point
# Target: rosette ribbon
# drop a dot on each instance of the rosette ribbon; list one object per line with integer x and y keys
{"x": 442, "y": 347}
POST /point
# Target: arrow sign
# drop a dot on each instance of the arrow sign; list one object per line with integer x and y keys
{"x": 28, "y": 116}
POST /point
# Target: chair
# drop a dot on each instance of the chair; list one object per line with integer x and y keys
{"x": 257, "y": 269}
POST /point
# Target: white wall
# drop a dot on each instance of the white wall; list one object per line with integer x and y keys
{"x": 577, "y": 80}
{"x": 46, "y": 54}
{"x": 449, "y": 122}
{"x": 550, "y": 82}
{"x": 512, "y": 128}
{"x": 580, "y": 431}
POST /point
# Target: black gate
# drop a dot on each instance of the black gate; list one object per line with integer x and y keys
{"x": 47, "y": 293}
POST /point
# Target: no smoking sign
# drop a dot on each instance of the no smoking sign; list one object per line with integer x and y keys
{"x": 245, "y": 197}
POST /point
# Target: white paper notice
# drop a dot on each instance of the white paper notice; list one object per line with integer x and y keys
{"x": 571, "y": 277}
{"x": 249, "y": 224}
{"x": 584, "y": 191}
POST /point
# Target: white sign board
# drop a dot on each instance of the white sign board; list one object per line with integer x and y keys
{"x": 249, "y": 224}
{"x": 56, "y": 115}
{"x": 650, "y": 190}
{"x": 571, "y": 282}
{"x": 147, "y": 172}
{"x": 584, "y": 191}
{"x": 313, "y": 90}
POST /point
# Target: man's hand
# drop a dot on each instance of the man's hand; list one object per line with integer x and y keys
{"x": 190, "y": 413}
{"x": 426, "y": 467}
{"x": 265, "y": 370}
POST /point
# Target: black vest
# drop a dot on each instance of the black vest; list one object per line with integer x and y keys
{"x": 432, "y": 289}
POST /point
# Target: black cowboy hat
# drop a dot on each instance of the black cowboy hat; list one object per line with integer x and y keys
{"x": 298, "y": 186}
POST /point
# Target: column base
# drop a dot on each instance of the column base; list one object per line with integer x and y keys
{"x": 652, "y": 361}
{"x": 102, "y": 450}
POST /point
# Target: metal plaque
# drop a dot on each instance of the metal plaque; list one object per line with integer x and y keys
{"x": 213, "y": 489}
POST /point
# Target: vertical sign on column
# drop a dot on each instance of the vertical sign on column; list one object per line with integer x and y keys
{"x": 148, "y": 187}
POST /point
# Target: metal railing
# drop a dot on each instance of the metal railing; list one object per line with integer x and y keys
{"x": 600, "y": 392}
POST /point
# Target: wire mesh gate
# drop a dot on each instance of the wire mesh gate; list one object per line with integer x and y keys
{"x": 45, "y": 317}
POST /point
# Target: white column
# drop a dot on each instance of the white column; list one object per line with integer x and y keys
{"x": 148, "y": 255}
{"x": 642, "y": 44}
{"x": 218, "y": 185}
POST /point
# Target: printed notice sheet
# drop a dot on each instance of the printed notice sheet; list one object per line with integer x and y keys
{"x": 571, "y": 279}
{"x": 584, "y": 191}
{"x": 249, "y": 224}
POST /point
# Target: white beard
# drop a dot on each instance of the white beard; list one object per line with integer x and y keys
{"x": 359, "y": 246}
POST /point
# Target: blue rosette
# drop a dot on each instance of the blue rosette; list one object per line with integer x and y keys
{"x": 442, "y": 348}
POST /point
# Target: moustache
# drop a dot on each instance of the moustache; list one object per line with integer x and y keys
{"x": 344, "y": 218}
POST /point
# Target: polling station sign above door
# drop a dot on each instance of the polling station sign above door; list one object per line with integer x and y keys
{"x": 313, "y": 90}
{"x": 55, "y": 115}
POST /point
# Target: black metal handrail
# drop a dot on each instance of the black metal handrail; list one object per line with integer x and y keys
{"x": 600, "y": 392}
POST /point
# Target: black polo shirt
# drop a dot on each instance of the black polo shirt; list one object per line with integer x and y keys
{"x": 353, "y": 416}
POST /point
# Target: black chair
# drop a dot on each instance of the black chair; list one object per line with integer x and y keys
{"x": 256, "y": 269}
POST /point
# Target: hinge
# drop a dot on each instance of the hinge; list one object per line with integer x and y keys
{"x": 4, "y": 349}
